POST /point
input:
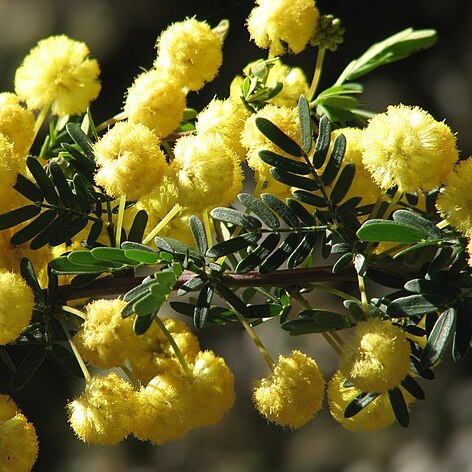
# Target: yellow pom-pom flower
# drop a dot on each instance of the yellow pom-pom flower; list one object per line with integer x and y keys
{"x": 293, "y": 393}
{"x": 105, "y": 335}
{"x": 104, "y": 412}
{"x": 191, "y": 52}
{"x": 469, "y": 248}
{"x": 9, "y": 168}
{"x": 211, "y": 389}
{"x": 161, "y": 413}
{"x": 130, "y": 160}
{"x": 16, "y": 123}
{"x": 407, "y": 147}
{"x": 455, "y": 201}
{"x": 18, "y": 444}
{"x": 208, "y": 172}
{"x": 377, "y": 358}
{"x": 377, "y": 415}
{"x": 16, "y": 306}
{"x": 157, "y": 100}
{"x": 58, "y": 73}
{"x": 8, "y": 408}
{"x": 277, "y": 24}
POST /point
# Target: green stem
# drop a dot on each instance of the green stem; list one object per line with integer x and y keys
{"x": 207, "y": 226}
{"x": 334, "y": 291}
{"x": 363, "y": 293}
{"x": 178, "y": 353}
{"x": 163, "y": 223}
{"x": 74, "y": 311}
{"x": 442, "y": 224}
{"x": 317, "y": 73}
{"x": 119, "y": 117}
{"x": 134, "y": 381}
{"x": 40, "y": 119}
{"x": 119, "y": 222}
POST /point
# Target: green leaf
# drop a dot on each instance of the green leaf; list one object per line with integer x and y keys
{"x": 28, "y": 367}
{"x": 408, "y": 217}
{"x": 112, "y": 254}
{"x": 199, "y": 234}
{"x": 302, "y": 251}
{"x": 413, "y": 388}
{"x": 306, "y": 132}
{"x": 71, "y": 225}
{"x": 28, "y": 273}
{"x": 138, "y": 226}
{"x": 33, "y": 228}
{"x": 42, "y": 179}
{"x": 355, "y": 309}
{"x": 284, "y": 163}
{"x": 433, "y": 287}
{"x": 343, "y": 184}
{"x": 65, "y": 192}
{"x": 17, "y": 216}
{"x": 229, "y": 215}
{"x": 316, "y": 321}
{"x": 148, "y": 304}
{"x": 192, "y": 284}
{"x": 310, "y": 198}
{"x": 337, "y": 154}
{"x": 414, "y": 305}
{"x": 143, "y": 323}
{"x": 399, "y": 407}
{"x": 281, "y": 209}
{"x": 85, "y": 257}
{"x": 28, "y": 189}
{"x": 175, "y": 246}
{"x": 144, "y": 257}
{"x": 81, "y": 139}
{"x": 95, "y": 232}
{"x": 62, "y": 266}
{"x": 440, "y": 336}
{"x": 82, "y": 195}
{"x": 322, "y": 143}
{"x": 260, "y": 253}
{"x": 203, "y": 305}
{"x": 278, "y": 137}
{"x": 281, "y": 254}
{"x": 261, "y": 210}
{"x": 342, "y": 262}
{"x": 463, "y": 332}
{"x": 377, "y": 230}
{"x": 359, "y": 403}
{"x": 233, "y": 300}
{"x": 293, "y": 180}
{"x": 302, "y": 213}
{"x": 233, "y": 245}
{"x": 67, "y": 359}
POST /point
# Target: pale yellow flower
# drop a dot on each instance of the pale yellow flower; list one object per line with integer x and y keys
{"x": 58, "y": 73}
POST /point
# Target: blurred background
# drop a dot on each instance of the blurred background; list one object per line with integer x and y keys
{"x": 121, "y": 35}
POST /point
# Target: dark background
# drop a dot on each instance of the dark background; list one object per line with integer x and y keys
{"x": 121, "y": 35}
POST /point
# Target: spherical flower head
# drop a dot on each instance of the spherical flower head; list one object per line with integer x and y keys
{"x": 455, "y": 200}
{"x": 16, "y": 123}
{"x": 209, "y": 174}
{"x": 293, "y": 393}
{"x": 58, "y": 73}
{"x": 8, "y": 408}
{"x": 279, "y": 25}
{"x": 104, "y": 337}
{"x": 130, "y": 160}
{"x": 191, "y": 52}
{"x": 16, "y": 306}
{"x": 377, "y": 358}
{"x": 226, "y": 119}
{"x": 18, "y": 444}
{"x": 407, "y": 147}
{"x": 253, "y": 140}
{"x": 211, "y": 389}
{"x": 377, "y": 415}
{"x": 104, "y": 412}
{"x": 162, "y": 408}
{"x": 156, "y": 99}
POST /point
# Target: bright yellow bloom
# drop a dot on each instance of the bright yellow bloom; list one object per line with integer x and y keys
{"x": 211, "y": 390}
{"x": 18, "y": 444}
{"x": 279, "y": 25}
{"x": 16, "y": 123}
{"x": 161, "y": 410}
{"x": 226, "y": 119}
{"x": 8, "y": 408}
{"x": 455, "y": 201}
{"x": 469, "y": 248}
{"x": 190, "y": 52}
{"x": 293, "y": 393}
{"x": 156, "y": 99}
{"x": 58, "y": 73}
{"x": 130, "y": 160}
{"x": 377, "y": 415}
{"x": 104, "y": 412}
{"x": 10, "y": 165}
{"x": 407, "y": 147}
{"x": 377, "y": 358}
{"x": 16, "y": 306}
{"x": 209, "y": 174}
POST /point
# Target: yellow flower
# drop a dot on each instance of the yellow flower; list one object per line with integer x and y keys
{"x": 130, "y": 160}
{"x": 469, "y": 248}
{"x": 377, "y": 358}
{"x": 190, "y": 52}
{"x": 16, "y": 123}
{"x": 226, "y": 119}
{"x": 18, "y": 444}
{"x": 161, "y": 412}
{"x": 16, "y": 306}
{"x": 8, "y": 408}
{"x": 455, "y": 201}
{"x": 377, "y": 415}
{"x": 293, "y": 393}
{"x": 407, "y": 147}
{"x": 9, "y": 168}
{"x": 209, "y": 174}
{"x": 278, "y": 25}
{"x": 104, "y": 412}
{"x": 211, "y": 390}
{"x": 58, "y": 73}
{"x": 156, "y": 99}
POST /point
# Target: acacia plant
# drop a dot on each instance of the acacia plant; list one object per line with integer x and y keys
{"x": 101, "y": 223}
